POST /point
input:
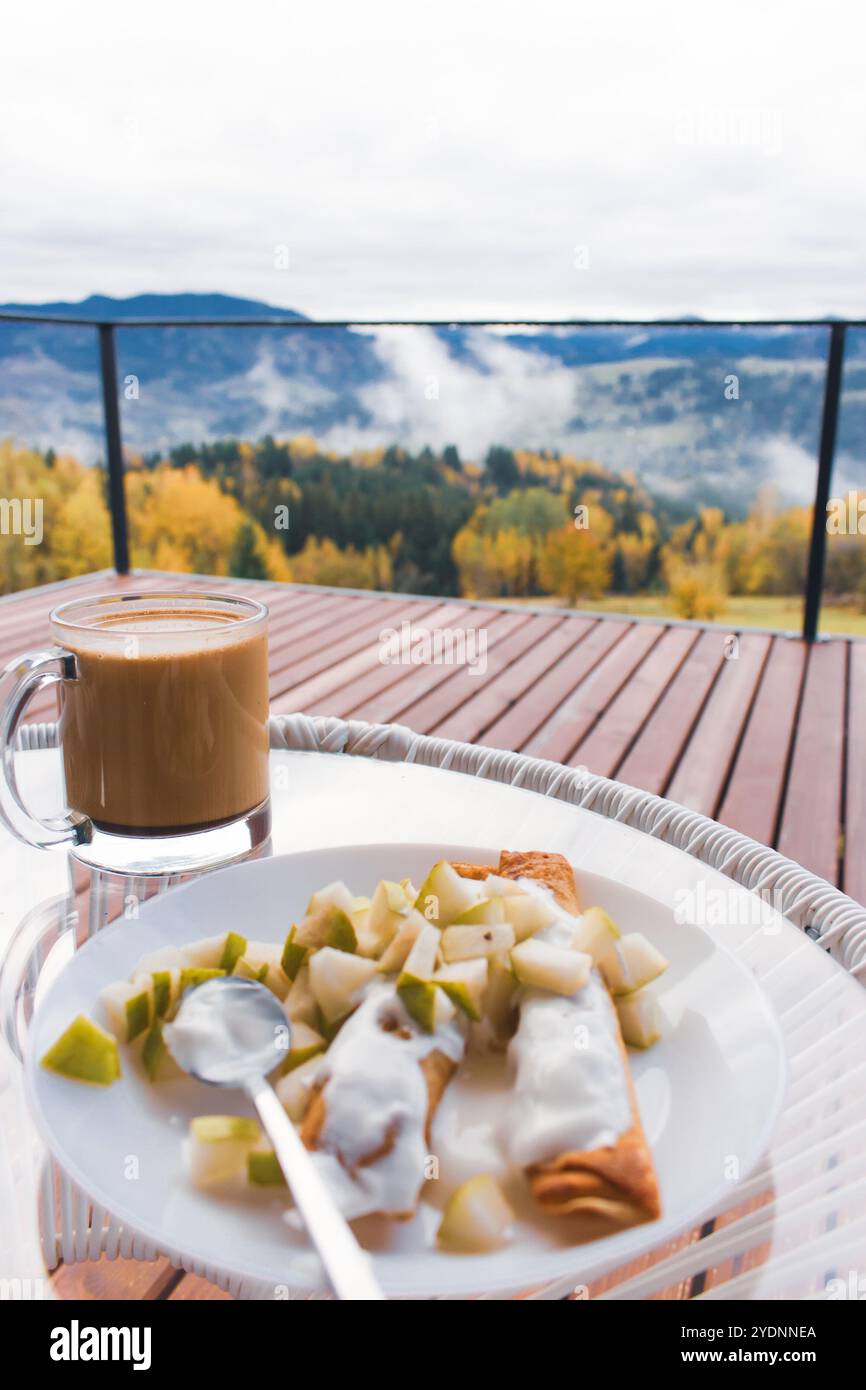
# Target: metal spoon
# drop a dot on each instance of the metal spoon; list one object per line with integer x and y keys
{"x": 233, "y": 1032}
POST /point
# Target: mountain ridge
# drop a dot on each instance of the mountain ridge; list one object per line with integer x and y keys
{"x": 656, "y": 401}
{"x": 186, "y": 303}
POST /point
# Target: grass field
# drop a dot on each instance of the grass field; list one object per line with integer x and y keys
{"x": 782, "y": 614}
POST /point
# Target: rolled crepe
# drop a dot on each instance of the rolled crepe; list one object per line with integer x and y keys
{"x": 369, "y": 1116}
{"x": 562, "y": 1092}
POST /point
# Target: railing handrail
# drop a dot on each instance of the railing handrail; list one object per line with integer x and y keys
{"x": 275, "y": 321}
{"x": 105, "y": 326}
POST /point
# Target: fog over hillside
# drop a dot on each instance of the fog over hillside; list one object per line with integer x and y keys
{"x": 699, "y": 414}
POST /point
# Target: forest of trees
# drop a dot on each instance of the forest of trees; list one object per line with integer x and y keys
{"x": 522, "y": 524}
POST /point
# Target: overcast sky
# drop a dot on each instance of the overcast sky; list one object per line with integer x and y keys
{"x": 549, "y": 158}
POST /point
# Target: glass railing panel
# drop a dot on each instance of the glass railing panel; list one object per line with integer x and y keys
{"x": 54, "y": 516}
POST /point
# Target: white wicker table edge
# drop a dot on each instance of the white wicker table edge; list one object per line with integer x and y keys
{"x": 813, "y": 904}
{"x": 70, "y": 1232}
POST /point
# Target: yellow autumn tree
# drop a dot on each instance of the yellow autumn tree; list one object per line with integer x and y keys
{"x": 576, "y": 564}
{"x": 323, "y": 562}
{"x": 81, "y": 534}
{"x": 55, "y": 522}
{"x": 179, "y": 520}
{"x": 635, "y": 552}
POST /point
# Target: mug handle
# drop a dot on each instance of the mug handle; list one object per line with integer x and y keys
{"x": 21, "y": 680}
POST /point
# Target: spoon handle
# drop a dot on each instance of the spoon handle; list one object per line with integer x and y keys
{"x": 347, "y": 1266}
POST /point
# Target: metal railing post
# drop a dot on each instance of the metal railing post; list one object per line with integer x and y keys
{"x": 113, "y": 447}
{"x": 829, "y": 421}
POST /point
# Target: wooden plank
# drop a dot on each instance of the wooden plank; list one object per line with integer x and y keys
{"x": 623, "y": 1272}
{"x": 700, "y": 777}
{"x": 532, "y": 654}
{"x": 345, "y": 675}
{"x": 419, "y": 681}
{"x": 651, "y": 761}
{"x": 716, "y": 1275}
{"x": 192, "y": 1288}
{"x": 604, "y": 748}
{"x": 578, "y": 712}
{"x": 362, "y": 689}
{"x": 316, "y": 606}
{"x": 855, "y": 802}
{"x": 431, "y": 712}
{"x": 810, "y": 825}
{"x": 753, "y": 797}
{"x": 356, "y": 625}
{"x": 113, "y": 1279}
{"x": 534, "y": 707}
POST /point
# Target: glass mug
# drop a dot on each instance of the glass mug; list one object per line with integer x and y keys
{"x": 163, "y": 729}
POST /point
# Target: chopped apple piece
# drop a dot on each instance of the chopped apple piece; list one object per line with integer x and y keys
{"x": 444, "y": 894}
{"x": 464, "y": 943}
{"x": 630, "y": 963}
{"x": 295, "y": 1088}
{"x": 299, "y": 1004}
{"x": 193, "y": 975}
{"x": 486, "y": 911}
{"x": 555, "y": 968}
{"x": 419, "y": 1000}
{"x": 639, "y": 1018}
{"x": 128, "y": 1007}
{"x": 263, "y": 958}
{"x": 233, "y": 948}
{"x": 85, "y": 1052}
{"x": 220, "y": 1129}
{"x": 465, "y": 984}
{"x": 166, "y": 991}
{"x": 216, "y": 1147}
{"x": 305, "y": 1043}
{"x": 477, "y": 1216}
{"x": 495, "y": 886}
{"x": 528, "y": 914}
{"x": 595, "y": 933}
{"x": 245, "y": 971}
{"x": 163, "y": 958}
{"x": 204, "y": 954}
{"x": 328, "y": 926}
{"x": 360, "y": 917}
{"x": 333, "y": 895}
{"x": 156, "y": 1059}
{"x": 276, "y": 980}
{"x": 421, "y": 960}
{"x": 444, "y": 1009}
{"x": 337, "y": 980}
{"x": 500, "y": 1001}
{"x": 414, "y": 984}
{"x": 263, "y": 1169}
{"x": 388, "y": 911}
{"x": 394, "y": 955}
{"x": 293, "y": 955}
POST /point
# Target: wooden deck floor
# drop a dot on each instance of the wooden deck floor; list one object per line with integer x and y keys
{"x": 762, "y": 732}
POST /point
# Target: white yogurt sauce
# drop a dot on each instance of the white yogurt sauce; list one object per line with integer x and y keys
{"x": 570, "y": 1088}
{"x": 569, "y": 1084}
{"x": 217, "y": 1034}
{"x": 375, "y": 1093}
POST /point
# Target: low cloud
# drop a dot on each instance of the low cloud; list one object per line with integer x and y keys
{"x": 495, "y": 394}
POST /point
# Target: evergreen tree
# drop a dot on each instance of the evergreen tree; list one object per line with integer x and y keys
{"x": 501, "y": 468}
{"x": 244, "y": 561}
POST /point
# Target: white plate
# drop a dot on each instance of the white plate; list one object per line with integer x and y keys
{"x": 709, "y": 1093}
